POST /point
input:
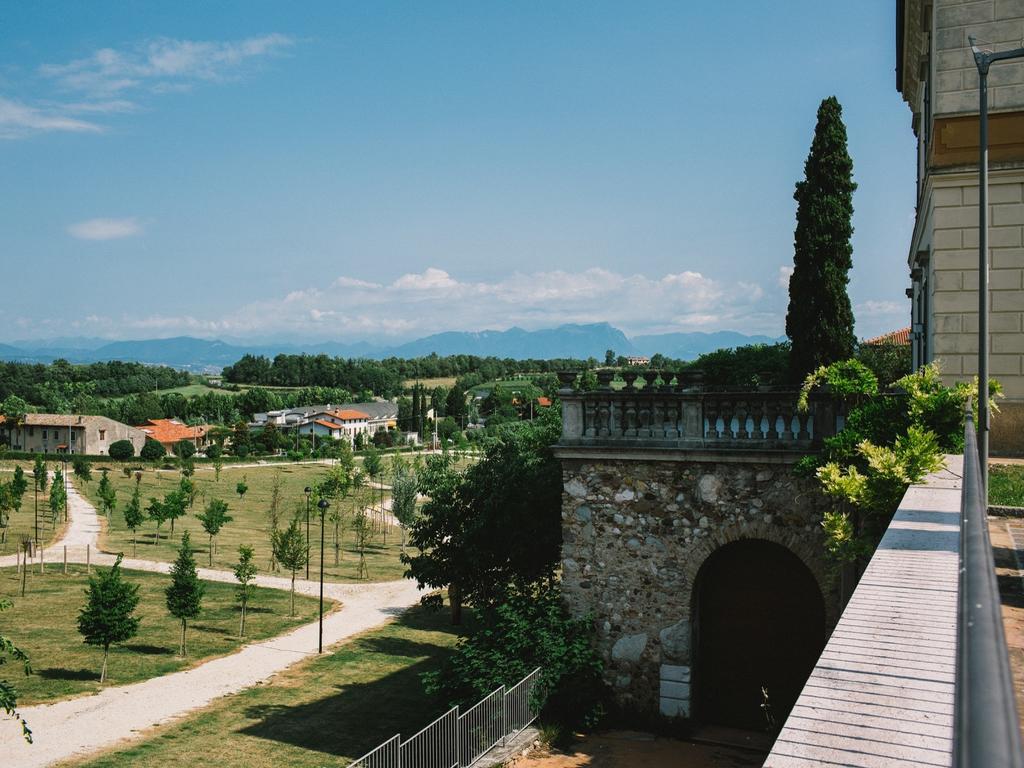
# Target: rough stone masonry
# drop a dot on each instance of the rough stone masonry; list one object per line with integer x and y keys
{"x": 635, "y": 533}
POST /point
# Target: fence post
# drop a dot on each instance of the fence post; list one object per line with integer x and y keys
{"x": 88, "y": 559}
{"x": 65, "y": 559}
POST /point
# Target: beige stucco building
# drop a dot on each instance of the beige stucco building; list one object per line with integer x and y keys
{"x": 937, "y": 76}
{"x": 69, "y": 433}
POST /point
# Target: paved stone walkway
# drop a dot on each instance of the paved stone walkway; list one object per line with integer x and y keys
{"x": 86, "y": 724}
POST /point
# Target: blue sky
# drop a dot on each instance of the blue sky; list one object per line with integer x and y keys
{"x": 382, "y": 171}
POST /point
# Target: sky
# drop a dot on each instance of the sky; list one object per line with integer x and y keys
{"x": 382, "y": 171}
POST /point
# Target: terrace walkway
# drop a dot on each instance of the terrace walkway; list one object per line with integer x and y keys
{"x": 882, "y": 692}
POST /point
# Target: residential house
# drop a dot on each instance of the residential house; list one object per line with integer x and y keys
{"x": 170, "y": 432}
{"x": 899, "y": 337}
{"x": 937, "y": 77}
{"x": 380, "y": 415}
{"x": 68, "y": 433}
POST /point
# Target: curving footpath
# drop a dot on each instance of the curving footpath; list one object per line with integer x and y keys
{"x": 82, "y": 725}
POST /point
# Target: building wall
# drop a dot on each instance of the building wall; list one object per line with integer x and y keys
{"x": 80, "y": 439}
{"x": 940, "y": 84}
{"x": 635, "y": 534}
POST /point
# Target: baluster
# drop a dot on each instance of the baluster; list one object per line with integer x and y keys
{"x": 741, "y": 420}
{"x": 603, "y": 419}
{"x": 629, "y": 416}
{"x": 711, "y": 413}
{"x": 772, "y": 412}
{"x": 658, "y": 427}
{"x": 643, "y": 416}
{"x": 590, "y": 418}
{"x": 786, "y": 410}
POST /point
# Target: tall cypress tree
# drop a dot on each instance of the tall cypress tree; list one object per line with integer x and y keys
{"x": 820, "y": 320}
{"x": 415, "y": 409}
{"x": 185, "y": 593}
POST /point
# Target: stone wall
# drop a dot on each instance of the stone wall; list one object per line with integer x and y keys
{"x": 635, "y": 534}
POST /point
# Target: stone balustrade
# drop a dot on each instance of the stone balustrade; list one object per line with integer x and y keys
{"x": 657, "y": 409}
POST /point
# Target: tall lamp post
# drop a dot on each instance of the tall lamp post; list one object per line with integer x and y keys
{"x": 984, "y": 59}
{"x": 307, "y": 491}
{"x": 323, "y": 504}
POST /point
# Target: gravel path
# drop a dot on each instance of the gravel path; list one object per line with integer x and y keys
{"x": 82, "y": 725}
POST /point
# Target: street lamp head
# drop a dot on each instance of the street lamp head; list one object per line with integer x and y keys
{"x": 308, "y": 490}
{"x": 323, "y": 504}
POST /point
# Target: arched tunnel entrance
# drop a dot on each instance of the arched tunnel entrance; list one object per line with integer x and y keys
{"x": 759, "y": 622}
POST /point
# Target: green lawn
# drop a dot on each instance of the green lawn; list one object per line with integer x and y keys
{"x": 251, "y": 519}
{"x": 44, "y": 625}
{"x": 1006, "y": 485}
{"x": 325, "y": 711}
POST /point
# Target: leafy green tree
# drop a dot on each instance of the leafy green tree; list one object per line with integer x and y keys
{"x": 241, "y": 488}
{"x": 290, "y": 551}
{"x": 245, "y": 571}
{"x": 39, "y": 474}
{"x": 8, "y": 693}
{"x": 133, "y": 515}
{"x": 82, "y": 468}
{"x": 185, "y": 593}
{"x": 213, "y": 518}
{"x": 404, "y": 488}
{"x": 175, "y": 503}
{"x": 6, "y": 508}
{"x": 455, "y": 405}
{"x": 19, "y": 485}
{"x": 58, "y": 496}
{"x": 496, "y": 526}
{"x": 362, "y": 527}
{"x": 157, "y": 512}
{"x": 14, "y": 408}
{"x": 121, "y": 450}
{"x": 107, "y": 493}
{"x": 241, "y": 439}
{"x": 107, "y": 616}
{"x": 152, "y": 450}
{"x": 523, "y": 631}
{"x": 820, "y": 319}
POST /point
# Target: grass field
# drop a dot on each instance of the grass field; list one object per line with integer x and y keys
{"x": 326, "y": 711}
{"x": 1006, "y": 485}
{"x": 251, "y": 523}
{"x": 43, "y": 624}
{"x": 23, "y": 521}
{"x": 441, "y": 381}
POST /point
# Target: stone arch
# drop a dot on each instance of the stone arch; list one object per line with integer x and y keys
{"x": 758, "y": 621}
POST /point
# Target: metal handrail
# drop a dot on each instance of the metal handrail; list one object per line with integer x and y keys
{"x": 986, "y": 727}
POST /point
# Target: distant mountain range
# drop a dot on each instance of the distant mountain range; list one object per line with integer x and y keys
{"x": 204, "y": 355}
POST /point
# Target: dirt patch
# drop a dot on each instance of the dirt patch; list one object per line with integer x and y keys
{"x": 618, "y": 749}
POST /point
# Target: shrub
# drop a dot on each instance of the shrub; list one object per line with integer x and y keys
{"x": 889, "y": 362}
{"x": 122, "y": 450}
{"x": 213, "y": 451}
{"x": 184, "y": 449}
{"x": 152, "y": 450}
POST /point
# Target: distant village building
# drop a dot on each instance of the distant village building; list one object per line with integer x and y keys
{"x": 68, "y": 433}
{"x": 341, "y": 424}
{"x": 335, "y": 421}
{"x": 638, "y": 360}
{"x": 170, "y": 432}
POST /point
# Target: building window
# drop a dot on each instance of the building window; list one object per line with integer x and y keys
{"x": 103, "y": 434}
{"x": 31, "y": 431}
{"x": 73, "y": 434}
{"x": 44, "y": 434}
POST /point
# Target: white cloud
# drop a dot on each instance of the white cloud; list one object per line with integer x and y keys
{"x": 105, "y": 229}
{"x": 162, "y": 64}
{"x": 785, "y": 272}
{"x": 872, "y": 308}
{"x": 18, "y": 120}
{"x": 432, "y": 301}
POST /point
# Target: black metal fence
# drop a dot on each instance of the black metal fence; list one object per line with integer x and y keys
{"x": 987, "y": 730}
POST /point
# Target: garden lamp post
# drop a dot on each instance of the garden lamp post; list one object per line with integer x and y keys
{"x": 323, "y": 504}
{"x": 984, "y": 59}
{"x": 307, "y": 491}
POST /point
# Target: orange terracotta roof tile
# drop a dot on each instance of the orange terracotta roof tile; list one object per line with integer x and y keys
{"x": 350, "y": 415}
{"x": 172, "y": 430}
{"x": 902, "y": 336}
